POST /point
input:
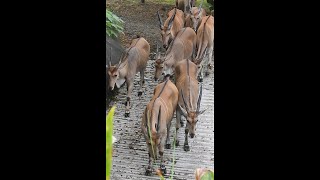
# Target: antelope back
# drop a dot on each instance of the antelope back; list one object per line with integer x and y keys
{"x": 138, "y": 55}
{"x": 181, "y": 69}
{"x": 181, "y": 48}
{"x": 177, "y": 23}
{"x": 206, "y": 26}
{"x": 169, "y": 99}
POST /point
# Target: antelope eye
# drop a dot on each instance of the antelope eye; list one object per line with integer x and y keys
{"x": 115, "y": 75}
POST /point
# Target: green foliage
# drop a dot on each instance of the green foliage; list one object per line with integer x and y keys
{"x": 209, "y": 175}
{"x": 114, "y": 24}
{"x": 109, "y": 131}
{"x": 206, "y": 4}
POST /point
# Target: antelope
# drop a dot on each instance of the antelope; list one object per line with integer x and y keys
{"x": 185, "y": 5}
{"x": 194, "y": 17}
{"x": 158, "y": 65}
{"x": 171, "y": 26}
{"x": 156, "y": 121}
{"x": 182, "y": 47}
{"x": 205, "y": 38}
{"x": 189, "y": 98}
{"x": 134, "y": 61}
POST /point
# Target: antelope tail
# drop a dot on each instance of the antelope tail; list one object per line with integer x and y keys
{"x": 201, "y": 50}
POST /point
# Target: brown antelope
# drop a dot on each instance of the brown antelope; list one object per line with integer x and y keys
{"x": 182, "y": 47}
{"x": 189, "y": 98}
{"x": 158, "y": 65}
{"x": 156, "y": 121}
{"x": 171, "y": 26}
{"x": 134, "y": 61}
{"x": 205, "y": 38}
{"x": 194, "y": 17}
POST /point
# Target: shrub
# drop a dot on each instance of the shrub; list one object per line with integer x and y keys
{"x": 114, "y": 24}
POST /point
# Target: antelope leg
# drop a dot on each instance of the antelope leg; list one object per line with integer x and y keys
{"x": 178, "y": 125}
{"x": 141, "y": 82}
{"x": 186, "y": 145}
{"x": 168, "y": 145}
{"x": 130, "y": 88}
{"x": 162, "y": 167}
{"x": 210, "y": 57}
{"x": 149, "y": 169}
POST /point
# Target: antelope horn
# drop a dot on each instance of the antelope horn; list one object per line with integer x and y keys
{"x": 200, "y": 8}
{"x": 157, "y": 48}
{"x": 199, "y": 98}
{"x": 158, "y": 54}
{"x": 160, "y": 20}
{"x": 121, "y": 58}
{"x": 172, "y": 18}
{"x": 184, "y": 101}
{"x": 201, "y": 4}
{"x": 110, "y": 56}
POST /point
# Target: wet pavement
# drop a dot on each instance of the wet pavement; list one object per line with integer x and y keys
{"x": 130, "y": 154}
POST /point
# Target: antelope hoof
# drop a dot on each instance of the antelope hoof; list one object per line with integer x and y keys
{"x": 139, "y": 93}
{"x": 163, "y": 169}
{"x": 127, "y": 113}
{"x": 186, "y": 147}
{"x": 168, "y": 146}
{"x": 177, "y": 143}
{"x": 200, "y": 79}
{"x": 148, "y": 171}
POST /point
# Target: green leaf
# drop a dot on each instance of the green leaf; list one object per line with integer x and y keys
{"x": 109, "y": 131}
{"x": 209, "y": 175}
{"x": 114, "y": 24}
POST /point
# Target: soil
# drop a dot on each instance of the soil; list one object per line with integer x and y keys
{"x": 140, "y": 19}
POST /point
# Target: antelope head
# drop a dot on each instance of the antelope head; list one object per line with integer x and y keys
{"x": 191, "y": 114}
{"x": 166, "y": 32}
{"x": 169, "y": 60}
{"x": 158, "y": 64}
{"x": 113, "y": 72}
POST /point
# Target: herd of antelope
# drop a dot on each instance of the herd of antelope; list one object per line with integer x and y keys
{"x": 187, "y": 37}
